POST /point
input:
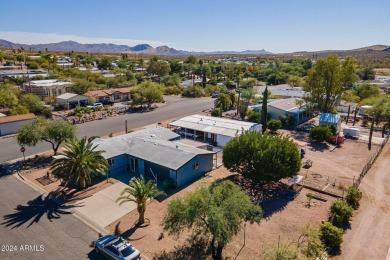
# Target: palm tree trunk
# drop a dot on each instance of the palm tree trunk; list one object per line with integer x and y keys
{"x": 141, "y": 218}
{"x": 82, "y": 180}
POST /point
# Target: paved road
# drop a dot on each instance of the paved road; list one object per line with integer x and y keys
{"x": 175, "y": 107}
{"x": 48, "y": 230}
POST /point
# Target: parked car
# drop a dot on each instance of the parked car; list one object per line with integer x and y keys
{"x": 215, "y": 94}
{"x": 96, "y": 105}
{"x": 114, "y": 247}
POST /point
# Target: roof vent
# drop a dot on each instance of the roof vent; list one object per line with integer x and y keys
{"x": 177, "y": 147}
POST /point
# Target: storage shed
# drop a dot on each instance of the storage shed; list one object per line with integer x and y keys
{"x": 331, "y": 119}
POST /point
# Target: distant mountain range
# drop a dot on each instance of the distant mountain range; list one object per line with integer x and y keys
{"x": 67, "y": 46}
{"x": 372, "y": 48}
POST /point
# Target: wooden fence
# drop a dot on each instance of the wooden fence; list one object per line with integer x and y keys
{"x": 370, "y": 162}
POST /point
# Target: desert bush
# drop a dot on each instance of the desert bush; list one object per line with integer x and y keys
{"x": 172, "y": 90}
{"x": 320, "y": 133}
{"x": 353, "y": 197}
{"x": 341, "y": 211}
{"x": 274, "y": 125}
{"x": 331, "y": 236}
{"x": 216, "y": 112}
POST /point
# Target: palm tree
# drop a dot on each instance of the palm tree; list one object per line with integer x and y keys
{"x": 80, "y": 161}
{"x": 223, "y": 101}
{"x": 139, "y": 192}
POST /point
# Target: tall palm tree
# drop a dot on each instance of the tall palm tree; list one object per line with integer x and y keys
{"x": 223, "y": 101}
{"x": 80, "y": 161}
{"x": 139, "y": 192}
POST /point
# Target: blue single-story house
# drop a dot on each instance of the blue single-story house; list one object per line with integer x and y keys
{"x": 287, "y": 107}
{"x": 331, "y": 119}
{"x": 154, "y": 152}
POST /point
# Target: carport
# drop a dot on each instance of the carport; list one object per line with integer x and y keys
{"x": 69, "y": 100}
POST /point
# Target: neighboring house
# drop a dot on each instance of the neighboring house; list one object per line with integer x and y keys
{"x": 331, "y": 119}
{"x": 382, "y": 82}
{"x": 187, "y": 83}
{"x": 111, "y": 95}
{"x": 23, "y": 73}
{"x": 287, "y": 107}
{"x": 283, "y": 91}
{"x": 153, "y": 152}
{"x": 14, "y": 67}
{"x": 215, "y": 130}
{"x": 363, "y": 110}
{"x": 344, "y": 106}
{"x": 47, "y": 88}
{"x": 12, "y": 124}
{"x": 69, "y": 100}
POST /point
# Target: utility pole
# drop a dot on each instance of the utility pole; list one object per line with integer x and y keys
{"x": 349, "y": 110}
{"x": 371, "y": 131}
{"x": 238, "y": 103}
{"x": 354, "y": 117}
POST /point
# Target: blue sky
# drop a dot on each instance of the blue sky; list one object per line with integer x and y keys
{"x": 201, "y": 25}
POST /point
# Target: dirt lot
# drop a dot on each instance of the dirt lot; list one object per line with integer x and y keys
{"x": 369, "y": 237}
{"x": 281, "y": 218}
{"x": 344, "y": 162}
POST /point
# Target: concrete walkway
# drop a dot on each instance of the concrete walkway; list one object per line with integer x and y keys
{"x": 101, "y": 207}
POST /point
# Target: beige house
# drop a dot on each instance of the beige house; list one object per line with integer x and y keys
{"x": 47, "y": 88}
{"x": 111, "y": 95}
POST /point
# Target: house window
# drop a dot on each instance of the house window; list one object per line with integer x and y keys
{"x": 195, "y": 167}
{"x": 111, "y": 162}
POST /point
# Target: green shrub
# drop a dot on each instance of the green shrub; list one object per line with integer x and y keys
{"x": 283, "y": 120}
{"x": 253, "y": 116}
{"x": 331, "y": 236}
{"x": 274, "y": 125}
{"x": 341, "y": 211}
{"x": 172, "y": 90}
{"x": 194, "y": 91}
{"x": 216, "y": 112}
{"x": 353, "y": 197}
{"x": 320, "y": 133}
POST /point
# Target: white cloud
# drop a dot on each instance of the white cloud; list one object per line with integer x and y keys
{"x": 37, "y": 38}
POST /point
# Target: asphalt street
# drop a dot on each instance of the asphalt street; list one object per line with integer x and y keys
{"x": 34, "y": 227}
{"x": 174, "y": 107}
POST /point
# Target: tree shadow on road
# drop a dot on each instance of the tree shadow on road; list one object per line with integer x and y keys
{"x": 35, "y": 210}
{"x": 195, "y": 249}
